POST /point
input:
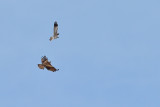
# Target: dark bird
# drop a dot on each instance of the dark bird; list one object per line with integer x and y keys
{"x": 46, "y": 64}
{"x": 55, "y": 32}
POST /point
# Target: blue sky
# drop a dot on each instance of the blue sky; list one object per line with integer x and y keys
{"x": 108, "y": 53}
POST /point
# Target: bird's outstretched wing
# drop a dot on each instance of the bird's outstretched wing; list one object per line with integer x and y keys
{"x": 51, "y": 68}
{"x": 48, "y": 66}
{"x": 56, "y": 30}
{"x": 40, "y": 66}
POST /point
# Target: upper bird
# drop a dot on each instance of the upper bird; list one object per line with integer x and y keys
{"x": 55, "y": 33}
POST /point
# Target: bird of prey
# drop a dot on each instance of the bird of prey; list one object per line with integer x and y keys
{"x": 55, "y": 32}
{"x": 46, "y": 64}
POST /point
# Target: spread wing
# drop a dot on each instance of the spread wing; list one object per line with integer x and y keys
{"x": 51, "y": 68}
{"x": 40, "y": 66}
{"x": 48, "y": 66}
{"x": 56, "y": 30}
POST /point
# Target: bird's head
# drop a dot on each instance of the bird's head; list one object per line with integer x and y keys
{"x": 51, "y": 38}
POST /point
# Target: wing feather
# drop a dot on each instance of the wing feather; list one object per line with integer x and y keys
{"x": 55, "y": 30}
{"x": 51, "y": 68}
{"x": 48, "y": 66}
{"x": 40, "y": 66}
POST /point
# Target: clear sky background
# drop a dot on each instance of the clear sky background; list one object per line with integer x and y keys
{"x": 108, "y": 53}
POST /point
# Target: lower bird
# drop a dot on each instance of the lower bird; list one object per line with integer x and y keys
{"x": 46, "y": 64}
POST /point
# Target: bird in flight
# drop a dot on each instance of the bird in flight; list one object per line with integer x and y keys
{"x": 55, "y": 32}
{"x": 46, "y": 64}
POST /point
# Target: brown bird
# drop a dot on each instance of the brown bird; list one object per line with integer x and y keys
{"x": 46, "y": 64}
{"x": 55, "y": 32}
